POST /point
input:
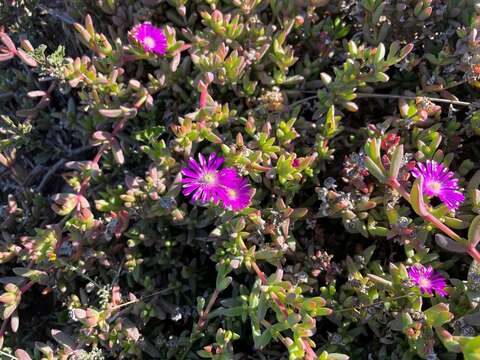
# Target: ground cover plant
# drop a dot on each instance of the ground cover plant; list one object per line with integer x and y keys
{"x": 240, "y": 179}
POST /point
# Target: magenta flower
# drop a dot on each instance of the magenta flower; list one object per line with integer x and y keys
{"x": 427, "y": 280}
{"x": 236, "y": 192}
{"x": 202, "y": 179}
{"x": 439, "y": 182}
{"x": 151, "y": 38}
{"x": 205, "y": 182}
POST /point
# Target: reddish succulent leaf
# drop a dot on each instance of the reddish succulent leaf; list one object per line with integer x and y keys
{"x": 14, "y": 321}
{"x": 22, "y": 355}
{"x": 36, "y": 93}
{"x": 7, "y": 41}
{"x": 27, "y": 59}
{"x": 111, "y": 113}
{"x": 6, "y": 56}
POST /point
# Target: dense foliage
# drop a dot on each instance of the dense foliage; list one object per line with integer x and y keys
{"x": 240, "y": 179}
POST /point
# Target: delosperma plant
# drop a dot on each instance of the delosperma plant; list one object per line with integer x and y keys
{"x": 240, "y": 179}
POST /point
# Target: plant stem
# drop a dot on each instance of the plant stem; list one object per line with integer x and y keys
{"x": 399, "y": 188}
{"x": 26, "y": 287}
{"x": 474, "y": 253}
{"x": 204, "y": 315}
{"x": 405, "y": 97}
{"x": 380, "y": 302}
{"x": 141, "y": 298}
{"x": 391, "y": 96}
{"x": 441, "y": 226}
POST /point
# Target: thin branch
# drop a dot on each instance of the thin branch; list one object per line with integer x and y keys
{"x": 204, "y": 315}
{"x": 160, "y": 292}
{"x": 391, "y": 96}
{"x": 361, "y": 306}
{"x": 50, "y": 173}
{"x": 405, "y": 97}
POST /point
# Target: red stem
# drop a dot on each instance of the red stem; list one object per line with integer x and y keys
{"x": 473, "y": 252}
{"x": 393, "y": 183}
{"x": 441, "y": 226}
{"x": 26, "y": 287}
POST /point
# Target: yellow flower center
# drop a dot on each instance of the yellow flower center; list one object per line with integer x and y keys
{"x": 149, "y": 41}
{"x": 434, "y": 186}
{"x": 209, "y": 178}
{"x": 232, "y": 194}
{"x": 424, "y": 283}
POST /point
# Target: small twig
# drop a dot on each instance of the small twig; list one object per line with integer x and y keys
{"x": 392, "y": 96}
{"x": 79, "y": 150}
{"x": 119, "y": 271}
{"x": 298, "y": 102}
{"x": 79, "y": 272}
{"x": 58, "y": 165}
{"x": 160, "y": 292}
{"x": 50, "y": 173}
{"x": 61, "y": 16}
{"x": 405, "y": 97}
{"x": 132, "y": 302}
{"x": 204, "y": 315}
{"x": 361, "y": 306}
{"x": 26, "y": 287}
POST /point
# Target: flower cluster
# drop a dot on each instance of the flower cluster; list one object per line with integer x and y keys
{"x": 206, "y": 182}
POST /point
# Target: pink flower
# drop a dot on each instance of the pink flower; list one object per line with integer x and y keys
{"x": 205, "y": 182}
{"x": 427, "y": 280}
{"x": 151, "y": 38}
{"x": 203, "y": 179}
{"x": 439, "y": 182}
{"x": 236, "y": 192}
